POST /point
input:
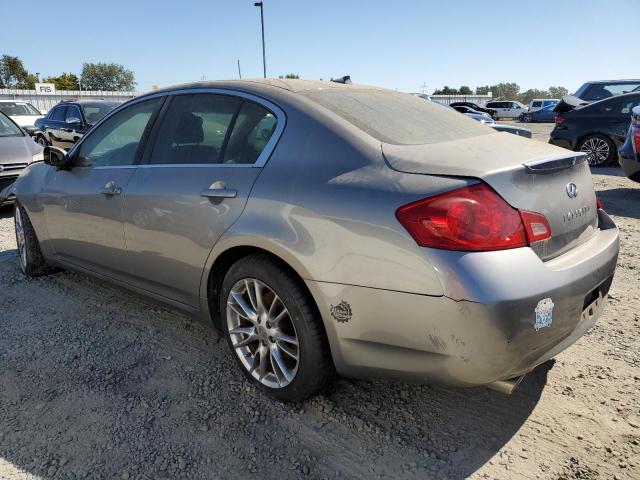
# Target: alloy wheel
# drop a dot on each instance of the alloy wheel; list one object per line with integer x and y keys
{"x": 262, "y": 333}
{"x": 21, "y": 240}
{"x": 597, "y": 151}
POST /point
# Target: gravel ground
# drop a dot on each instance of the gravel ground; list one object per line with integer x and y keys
{"x": 100, "y": 383}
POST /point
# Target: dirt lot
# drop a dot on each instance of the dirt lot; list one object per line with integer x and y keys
{"x": 99, "y": 383}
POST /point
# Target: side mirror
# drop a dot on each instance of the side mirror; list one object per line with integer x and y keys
{"x": 56, "y": 157}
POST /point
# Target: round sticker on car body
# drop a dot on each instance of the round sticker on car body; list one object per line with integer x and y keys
{"x": 544, "y": 313}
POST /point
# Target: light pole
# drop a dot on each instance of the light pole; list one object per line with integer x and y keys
{"x": 264, "y": 58}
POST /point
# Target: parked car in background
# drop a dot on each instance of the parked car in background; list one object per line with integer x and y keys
{"x": 629, "y": 153}
{"x": 506, "y": 108}
{"x": 469, "y": 110}
{"x": 68, "y": 121}
{"x": 301, "y": 246}
{"x": 17, "y": 151}
{"x": 543, "y": 115}
{"x": 597, "y": 129}
{"x": 539, "y": 103}
{"x": 483, "y": 118}
{"x": 476, "y": 107}
{"x": 23, "y": 113}
{"x": 601, "y": 89}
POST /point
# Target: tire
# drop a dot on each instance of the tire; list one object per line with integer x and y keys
{"x": 278, "y": 341}
{"x": 30, "y": 257}
{"x": 599, "y": 148}
{"x": 40, "y": 140}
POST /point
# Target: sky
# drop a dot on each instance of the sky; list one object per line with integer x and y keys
{"x": 404, "y": 45}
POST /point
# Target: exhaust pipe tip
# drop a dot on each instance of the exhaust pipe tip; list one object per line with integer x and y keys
{"x": 506, "y": 386}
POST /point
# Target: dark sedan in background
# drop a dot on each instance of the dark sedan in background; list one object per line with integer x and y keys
{"x": 475, "y": 107}
{"x": 598, "y": 128}
{"x": 629, "y": 153}
{"x": 68, "y": 121}
{"x": 544, "y": 115}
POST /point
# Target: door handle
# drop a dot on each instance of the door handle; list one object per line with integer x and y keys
{"x": 219, "y": 190}
{"x": 111, "y": 189}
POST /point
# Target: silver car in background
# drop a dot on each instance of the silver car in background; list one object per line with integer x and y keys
{"x": 322, "y": 226}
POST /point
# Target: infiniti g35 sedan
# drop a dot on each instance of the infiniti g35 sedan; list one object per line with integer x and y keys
{"x": 326, "y": 227}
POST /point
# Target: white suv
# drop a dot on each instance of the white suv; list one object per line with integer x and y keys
{"x": 507, "y": 108}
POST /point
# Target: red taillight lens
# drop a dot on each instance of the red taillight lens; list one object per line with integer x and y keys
{"x": 636, "y": 138}
{"x": 559, "y": 119}
{"x": 473, "y": 218}
{"x": 599, "y": 203}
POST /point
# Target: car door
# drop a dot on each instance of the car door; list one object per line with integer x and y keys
{"x": 621, "y": 118}
{"x": 200, "y": 165}
{"x": 71, "y": 130}
{"x": 83, "y": 205}
{"x": 54, "y": 124}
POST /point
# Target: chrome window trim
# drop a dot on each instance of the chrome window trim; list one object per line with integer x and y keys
{"x": 281, "y": 119}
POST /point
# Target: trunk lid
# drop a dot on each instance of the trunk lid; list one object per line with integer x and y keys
{"x": 529, "y": 175}
{"x": 569, "y": 103}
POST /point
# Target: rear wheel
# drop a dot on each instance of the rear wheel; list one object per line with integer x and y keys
{"x": 32, "y": 262}
{"x": 273, "y": 329}
{"x": 599, "y": 149}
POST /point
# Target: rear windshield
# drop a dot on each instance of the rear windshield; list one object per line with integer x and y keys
{"x": 397, "y": 118}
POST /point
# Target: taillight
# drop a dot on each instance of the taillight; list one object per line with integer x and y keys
{"x": 473, "y": 218}
{"x": 559, "y": 119}
{"x": 599, "y": 203}
{"x": 636, "y": 138}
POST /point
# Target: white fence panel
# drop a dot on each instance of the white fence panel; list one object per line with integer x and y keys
{"x": 480, "y": 100}
{"x": 45, "y": 102}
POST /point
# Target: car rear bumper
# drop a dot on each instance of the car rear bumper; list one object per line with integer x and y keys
{"x": 559, "y": 141}
{"x": 487, "y": 336}
{"x": 630, "y": 162}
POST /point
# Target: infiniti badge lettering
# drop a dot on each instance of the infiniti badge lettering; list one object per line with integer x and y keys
{"x": 570, "y": 215}
{"x": 572, "y": 190}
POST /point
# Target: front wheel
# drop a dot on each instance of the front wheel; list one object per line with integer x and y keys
{"x": 274, "y": 330}
{"x": 32, "y": 262}
{"x": 40, "y": 140}
{"x": 599, "y": 149}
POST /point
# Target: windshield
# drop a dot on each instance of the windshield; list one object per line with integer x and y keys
{"x": 18, "y": 109}
{"x": 8, "y": 128}
{"x": 94, "y": 112}
{"x": 397, "y": 118}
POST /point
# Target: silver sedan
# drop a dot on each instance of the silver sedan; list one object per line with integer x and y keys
{"x": 324, "y": 227}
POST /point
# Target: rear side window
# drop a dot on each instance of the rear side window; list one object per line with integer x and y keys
{"x": 73, "y": 114}
{"x": 397, "y": 118}
{"x": 59, "y": 113}
{"x": 252, "y": 130}
{"x": 212, "y": 129}
{"x": 536, "y": 104}
{"x": 194, "y": 129}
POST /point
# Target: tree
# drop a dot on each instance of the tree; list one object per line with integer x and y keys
{"x": 14, "y": 75}
{"x": 558, "y": 92}
{"x": 291, "y": 75}
{"x": 527, "y": 96}
{"x": 464, "y": 90}
{"x": 107, "y": 76}
{"x": 446, "y": 91}
{"x": 64, "y": 81}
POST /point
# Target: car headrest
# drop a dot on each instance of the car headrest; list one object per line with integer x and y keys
{"x": 189, "y": 129}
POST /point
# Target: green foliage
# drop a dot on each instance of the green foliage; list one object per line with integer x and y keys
{"x": 465, "y": 90}
{"x": 14, "y": 75}
{"x": 558, "y": 92}
{"x": 527, "y": 96}
{"x": 64, "y": 81}
{"x": 107, "y": 76}
{"x": 446, "y": 91}
{"x": 290, "y": 75}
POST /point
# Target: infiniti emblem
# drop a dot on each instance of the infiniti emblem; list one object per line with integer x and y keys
{"x": 572, "y": 190}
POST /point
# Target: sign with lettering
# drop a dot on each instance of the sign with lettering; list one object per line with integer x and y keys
{"x": 45, "y": 88}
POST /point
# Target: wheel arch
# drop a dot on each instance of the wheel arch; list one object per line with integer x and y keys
{"x": 594, "y": 133}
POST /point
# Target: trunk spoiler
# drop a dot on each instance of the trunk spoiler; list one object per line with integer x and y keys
{"x": 568, "y": 103}
{"x": 555, "y": 163}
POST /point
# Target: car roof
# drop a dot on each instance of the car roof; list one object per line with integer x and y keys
{"x": 614, "y": 81}
{"x": 97, "y": 101}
